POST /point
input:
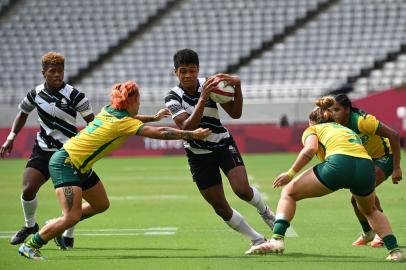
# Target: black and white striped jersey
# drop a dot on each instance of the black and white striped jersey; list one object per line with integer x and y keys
{"x": 57, "y": 113}
{"x": 178, "y": 101}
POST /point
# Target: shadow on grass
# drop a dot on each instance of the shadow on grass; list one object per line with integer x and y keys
{"x": 288, "y": 257}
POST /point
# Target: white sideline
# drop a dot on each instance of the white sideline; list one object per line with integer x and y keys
{"x": 113, "y": 232}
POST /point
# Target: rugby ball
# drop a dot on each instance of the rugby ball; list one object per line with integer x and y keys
{"x": 223, "y": 93}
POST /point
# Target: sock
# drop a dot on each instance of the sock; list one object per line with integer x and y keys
{"x": 365, "y": 226}
{"x": 281, "y": 225}
{"x": 29, "y": 208}
{"x": 238, "y": 223}
{"x": 36, "y": 241}
{"x": 257, "y": 201}
{"x": 390, "y": 242}
{"x": 69, "y": 232}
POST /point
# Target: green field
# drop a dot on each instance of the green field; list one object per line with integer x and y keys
{"x": 158, "y": 220}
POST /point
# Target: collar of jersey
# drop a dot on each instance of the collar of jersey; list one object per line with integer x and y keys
{"x": 117, "y": 113}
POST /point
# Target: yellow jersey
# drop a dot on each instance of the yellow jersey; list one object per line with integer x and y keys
{"x": 366, "y": 126}
{"x": 109, "y": 129}
{"x": 335, "y": 139}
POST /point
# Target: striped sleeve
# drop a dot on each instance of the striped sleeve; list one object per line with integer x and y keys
{"x": 81, "y": 103}
{"x": 174, "y": 103}
{"x": 27, "y": 105}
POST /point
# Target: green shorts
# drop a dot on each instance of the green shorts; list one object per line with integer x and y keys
{"x": 342, "y": 171}
{"x": 64, "y": 174}
{"x": 385, "y": 163}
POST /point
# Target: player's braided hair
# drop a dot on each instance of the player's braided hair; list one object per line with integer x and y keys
{"x": 124, "y": 94}
{"x": 322, "y": 114}
{"x": 52, "y": 58}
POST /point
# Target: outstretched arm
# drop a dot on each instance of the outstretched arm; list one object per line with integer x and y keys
{"x": 18, "y": 124}
{"x": 167, "y": 133}
{"x": 394, "y": 141}
{"x": 162, "y": 113}
{"x": 304, "y": 157}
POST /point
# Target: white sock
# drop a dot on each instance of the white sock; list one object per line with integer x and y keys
{"x": 29, "y": 208}
{"x": 257, "y": 201}
{"x": 238, "y": 223}
{"x": 69, "y": 232}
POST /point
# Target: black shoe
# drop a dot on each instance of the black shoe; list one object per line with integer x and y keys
{"x": 22, "y": 234}
{"x": 68, "y": 242}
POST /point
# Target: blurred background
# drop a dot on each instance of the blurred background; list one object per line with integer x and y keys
{"x": 287, "y": 53}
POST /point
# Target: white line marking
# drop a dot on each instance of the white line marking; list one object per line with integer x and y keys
{"x": 291, "y": 232}
{"x": 121, "y": 230}
{"x": 148, "y": 197}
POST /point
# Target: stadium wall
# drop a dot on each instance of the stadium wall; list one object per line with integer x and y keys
{"x": 251, "y": 138}
{"x": 384, "y": 105}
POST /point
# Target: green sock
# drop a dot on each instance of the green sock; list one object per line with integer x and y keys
{"x": 390, "y": 242}
{"x": 279, "y": 230}
{"x": 36, "y": 241}
{"x": 365, "y": 226}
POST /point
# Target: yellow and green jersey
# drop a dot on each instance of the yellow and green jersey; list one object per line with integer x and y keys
{"x": 336, "y": 139}
{"x": 106, "y": 132}
{"x": 366, "y": 126}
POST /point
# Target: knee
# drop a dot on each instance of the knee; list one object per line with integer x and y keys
{"x": 29, "y": 191}
{"x": 104, "y": 206}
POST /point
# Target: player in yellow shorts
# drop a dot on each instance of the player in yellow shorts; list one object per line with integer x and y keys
{"x": 71, "y": 167}
{"x": 345, "y": 164}
{"x": 382, "y": 144}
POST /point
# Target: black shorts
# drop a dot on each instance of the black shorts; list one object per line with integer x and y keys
{"x": 205, "y": 168}
{"x": 39, "y": 160}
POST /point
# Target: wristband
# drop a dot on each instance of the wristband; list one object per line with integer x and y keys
{"x": 11, "y": 136}
{"x": 291, "y": 173}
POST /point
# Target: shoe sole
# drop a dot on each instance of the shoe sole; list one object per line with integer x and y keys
{"x": 377, "y": 245}
{"x": 267, "y": 252}
{"x": 28, "y": 256}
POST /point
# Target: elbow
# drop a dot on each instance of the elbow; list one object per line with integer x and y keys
{"x": 236, "y": 115}
{"x": 310, "y": 151}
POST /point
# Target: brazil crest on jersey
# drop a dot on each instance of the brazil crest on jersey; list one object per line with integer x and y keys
{"x": 336, "y": 139}
{"x": 106, "y": 132}
{"x": 366, "y": 126}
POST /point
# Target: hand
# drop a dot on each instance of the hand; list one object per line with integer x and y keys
{"x": 6, "y": 148}
{"x": 200, "y": 133}
{"x": 162, "y": 113}
{"x": 282, "y": 180}
{"x": 396, "y": 175}
{"x": 232, "y": 79}
{"x": 209, "y": 85}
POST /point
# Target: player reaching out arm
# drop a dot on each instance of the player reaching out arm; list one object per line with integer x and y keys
{"x": 71, "y": 167}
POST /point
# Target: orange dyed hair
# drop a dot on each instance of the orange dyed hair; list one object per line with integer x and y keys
{"x": 52, "y": 58}
{"x": 124, "y": 94}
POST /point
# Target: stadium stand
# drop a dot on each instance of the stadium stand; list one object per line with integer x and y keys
{"x": 342, "y": 41}
{"x": 114, "y": 40}
{"x": 81, "y": 30}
